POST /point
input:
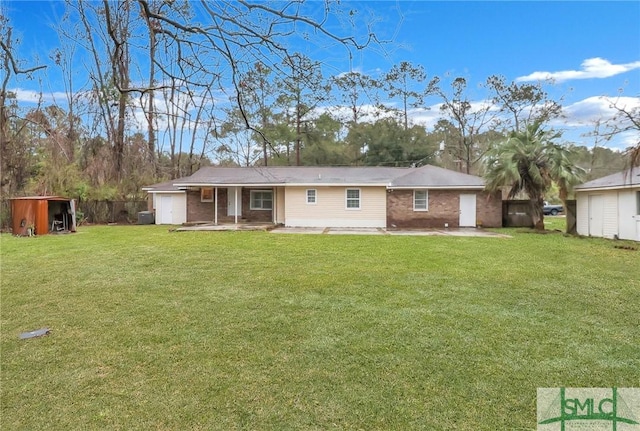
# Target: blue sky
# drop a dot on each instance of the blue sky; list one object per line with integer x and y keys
{"x": 592, "y": 49}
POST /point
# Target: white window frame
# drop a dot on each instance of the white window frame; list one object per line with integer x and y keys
{"x": 203, "y": 190}
{"x": 253, "y": 208}
{"x": 347, "y": 199}
{"x": 315, "y": 196}
{"x": 426, "y": 199}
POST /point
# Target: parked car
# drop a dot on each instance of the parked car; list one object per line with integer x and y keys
{"x": 549, "y": 209}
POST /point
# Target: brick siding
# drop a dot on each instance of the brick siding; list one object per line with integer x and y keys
{"x": 444, "y": 207}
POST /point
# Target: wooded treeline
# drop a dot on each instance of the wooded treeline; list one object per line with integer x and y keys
{"x": 173, "y": 86}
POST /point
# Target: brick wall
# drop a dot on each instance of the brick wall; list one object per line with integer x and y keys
{"x": 198, "y": 211}
{"x": 444, "y": 207}
{"x": 254, "y": 215}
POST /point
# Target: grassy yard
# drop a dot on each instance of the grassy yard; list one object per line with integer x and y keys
{"x": 246, "y": 330}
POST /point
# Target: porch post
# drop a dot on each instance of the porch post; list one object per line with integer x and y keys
{"x": 273, "y": 205}
{"x": 236, "y": 202}
{"x": 215, "y": 207}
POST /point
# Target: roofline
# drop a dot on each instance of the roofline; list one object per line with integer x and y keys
{"x": 436, "y": 187}
{"x": 151, "y": 190}
{"x": 386, "y": 185}
{"x": 616, "y": 187}
{"x": 282, "y": 185}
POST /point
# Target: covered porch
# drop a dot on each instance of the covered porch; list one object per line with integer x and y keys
{"x": 220, "y": 205}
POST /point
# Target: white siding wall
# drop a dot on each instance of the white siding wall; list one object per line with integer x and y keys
{"x": 619, "y": 215}
{"x": 610, "y": 221}
{"x": 330, "y": 208}
{"x": 582, "y": 213}
{"x": 178, "y": 211}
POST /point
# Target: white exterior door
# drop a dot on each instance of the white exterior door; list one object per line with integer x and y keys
{"x": 596, "y": 215}
{"x": 467, "y": 210}
{"x": 166, "y": 210}
{"x": 627, "y": 223}
{"x": 234, "y": 201}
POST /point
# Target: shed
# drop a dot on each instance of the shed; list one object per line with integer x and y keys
{"x": 41, "y": 215}
{"x": 168, "y": 203}
{"x": 609, "y": 207}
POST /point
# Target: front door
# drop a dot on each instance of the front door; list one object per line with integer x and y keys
{"x": 467, "y": 210}
{"x": 234, "y": 201}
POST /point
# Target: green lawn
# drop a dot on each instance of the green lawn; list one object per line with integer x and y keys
{"x": 251, "y": 330}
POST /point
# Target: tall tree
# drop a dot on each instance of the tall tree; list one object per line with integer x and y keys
{"x": 401, "y": 82}
{"x": 529, "y": 162}
{"x": 304, "y": 90}
{"x": 257, "y": 96}
{"x": 386, "y": 143}
{"x": 358, "y": 93}
{"x": 522, "y": 104}
{"x": 470, "y": 119}
{"x": 14, "y": 154}
{"x": 322, "y": 143}
{"x": 218, "y": 42}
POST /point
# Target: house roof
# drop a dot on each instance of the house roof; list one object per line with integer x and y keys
{"x": 628, "y": 178}
{"x": 426, "y": 176}
{"x": 435, "y": 177}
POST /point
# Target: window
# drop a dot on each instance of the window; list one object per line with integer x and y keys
{"x": 206, "y": 194}
{"x": 353, "y": 199}
{"x": 261, "y": 199}
{"x": 311, "y": 196}
{"x": 420, "y": 200}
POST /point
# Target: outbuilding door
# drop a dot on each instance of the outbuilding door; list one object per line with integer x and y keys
{"x": 166, "y": 210}
{"x": 467, "y": 210}
{"x": 596, "y": 215}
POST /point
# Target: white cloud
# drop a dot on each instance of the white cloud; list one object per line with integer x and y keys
{"x": 591, "y": 68}
{"x": 592, "y": 109}
{"x": 31, "y": 96}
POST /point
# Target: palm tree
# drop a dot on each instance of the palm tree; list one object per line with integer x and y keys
{"x": 528, "y": 161}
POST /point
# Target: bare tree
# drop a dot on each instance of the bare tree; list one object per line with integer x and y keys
{"x": 469, "y": 120}
{"x": 625, "y": 121}
{"x": 222, "y": 40}
{"x": 524, "y": 104}
{"x": 12, "y": 152}
{"x": 401, "y": 81}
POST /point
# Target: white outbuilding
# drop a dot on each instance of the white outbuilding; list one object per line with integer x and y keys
{"x": 609, "y": 207}
{"x": 168, "y": 202}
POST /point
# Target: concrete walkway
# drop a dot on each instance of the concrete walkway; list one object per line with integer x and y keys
{"x": 468, "y": 232}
